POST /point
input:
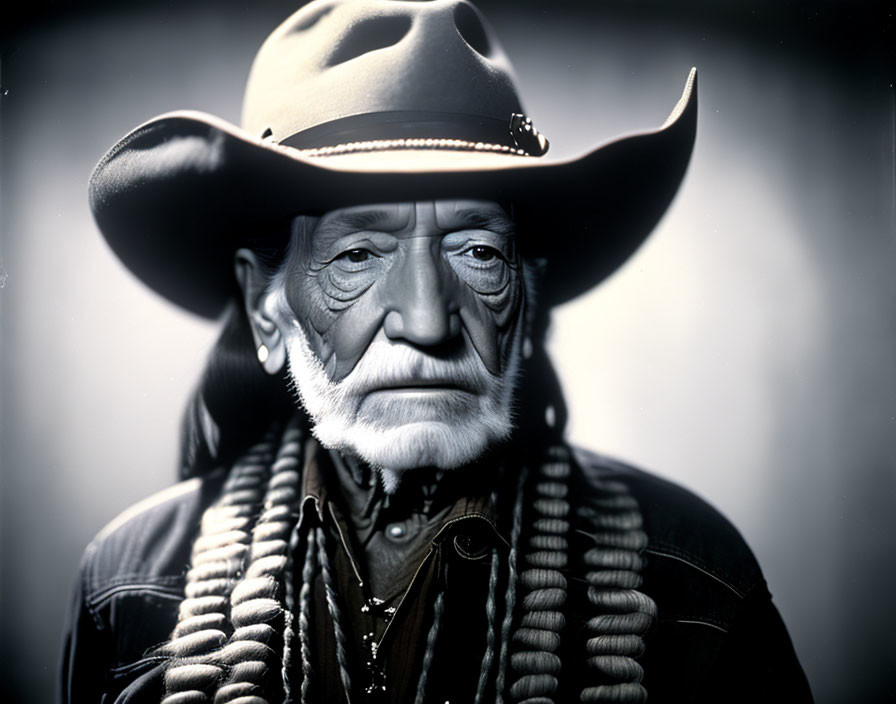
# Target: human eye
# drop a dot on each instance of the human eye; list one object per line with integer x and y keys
{"x": 350, "y": 271}
{"x": 482, "y": 266}
{"x": 482, "y": 254}
{"x": 356, "y": 256}
{"x": 354, "y": 259}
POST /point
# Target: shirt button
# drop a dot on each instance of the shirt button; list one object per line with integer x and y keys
{"x": 396, "y": 531}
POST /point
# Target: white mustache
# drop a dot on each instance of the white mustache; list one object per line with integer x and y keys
{"x": 385, "y": 365}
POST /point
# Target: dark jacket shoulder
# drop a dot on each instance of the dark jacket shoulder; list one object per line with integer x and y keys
{"x": 681, "y": 526}
{"x": 146, "y": 542}
{"x": 128, "y": 588}
{"x": 717, "y": 636}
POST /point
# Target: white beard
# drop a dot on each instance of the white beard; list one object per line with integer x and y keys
{"x": 394, "y": 432}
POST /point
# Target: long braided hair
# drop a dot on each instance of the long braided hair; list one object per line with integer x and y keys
{"x": 245, "y": 630}
{"x": 601, "y": 666}
{"x": 232, "y": 626}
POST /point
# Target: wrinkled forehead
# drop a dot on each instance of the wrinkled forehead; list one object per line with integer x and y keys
{"x": 433, "y": 217}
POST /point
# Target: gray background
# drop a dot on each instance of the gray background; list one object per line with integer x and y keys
{"x": 747, "y": 351}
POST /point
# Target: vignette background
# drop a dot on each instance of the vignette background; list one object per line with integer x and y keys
{"x": 747, "y": 351}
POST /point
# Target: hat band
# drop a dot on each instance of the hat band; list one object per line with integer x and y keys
{"x": 379, "y": 145}
{"x": 405, "y": 125}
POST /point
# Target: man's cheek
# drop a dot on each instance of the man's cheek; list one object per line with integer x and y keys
{"x": 506, "y": 336}
{"x": 307, "y": 306}
{"x": 479, "y": 323}
{"x": 350, "y": 335}
{"x": 491, "y": 323}
{"x": 506, "y": 308}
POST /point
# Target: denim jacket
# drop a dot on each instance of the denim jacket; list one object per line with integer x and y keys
{"x": 717, "y": 638}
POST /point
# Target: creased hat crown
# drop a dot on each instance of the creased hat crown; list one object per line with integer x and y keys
{"x": 339, "y": 71}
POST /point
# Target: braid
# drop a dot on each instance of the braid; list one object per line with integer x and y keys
{"x": 490, "y": 611}
{"x": 335, "y": 613}
{"x": 510, "y": 594}
{"x": 226, "y": 642}
{"x": 258, "y": 615}
{"x": 615, "y": 634}
{"x": 309, "y": 570}
{"x": 535, "y": 662}
{"x": 431, "y": 638}
{"x": 217, "y": 560}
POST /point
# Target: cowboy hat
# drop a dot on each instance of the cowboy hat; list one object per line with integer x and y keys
{"x": 352, "y": 102}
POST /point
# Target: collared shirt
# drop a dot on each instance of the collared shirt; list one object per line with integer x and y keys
{"x": 391, "y": 556}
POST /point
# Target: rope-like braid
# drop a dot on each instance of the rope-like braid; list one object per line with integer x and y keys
{"x": 236, "y": 582}
{"x": 510, "y": 594}
{"x": 309, "y": 569}
{"x": 623, "y": 614}
{"x": 491, "y": 616}
{"x": 256, "y": 609}
{"x": 431, "y": 639}
{"x": 217, "y": 559}
{"x": 335, "y": 613}
{"x": 535, "y": 662}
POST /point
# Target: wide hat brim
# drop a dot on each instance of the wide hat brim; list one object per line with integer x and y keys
{"x": 177, "y": 196}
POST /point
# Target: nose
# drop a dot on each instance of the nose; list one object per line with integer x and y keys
{"x": 423, "y": 306}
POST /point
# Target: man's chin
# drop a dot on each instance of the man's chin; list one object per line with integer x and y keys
{"x": 434, "y": 444}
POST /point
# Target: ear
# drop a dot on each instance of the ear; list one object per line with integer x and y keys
{"x": 261, "y": 310}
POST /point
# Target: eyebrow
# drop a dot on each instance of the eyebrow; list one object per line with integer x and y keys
{"x": 492, "y": 221}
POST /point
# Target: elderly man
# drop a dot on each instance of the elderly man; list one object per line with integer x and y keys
{"x": 379, "y": 505}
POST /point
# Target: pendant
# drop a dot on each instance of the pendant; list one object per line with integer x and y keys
{"x": 376, "y": 688}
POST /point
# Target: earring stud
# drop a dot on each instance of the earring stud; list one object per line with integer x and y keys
{"x": 527, "y": 348}
{"x": 263, "y": 354}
